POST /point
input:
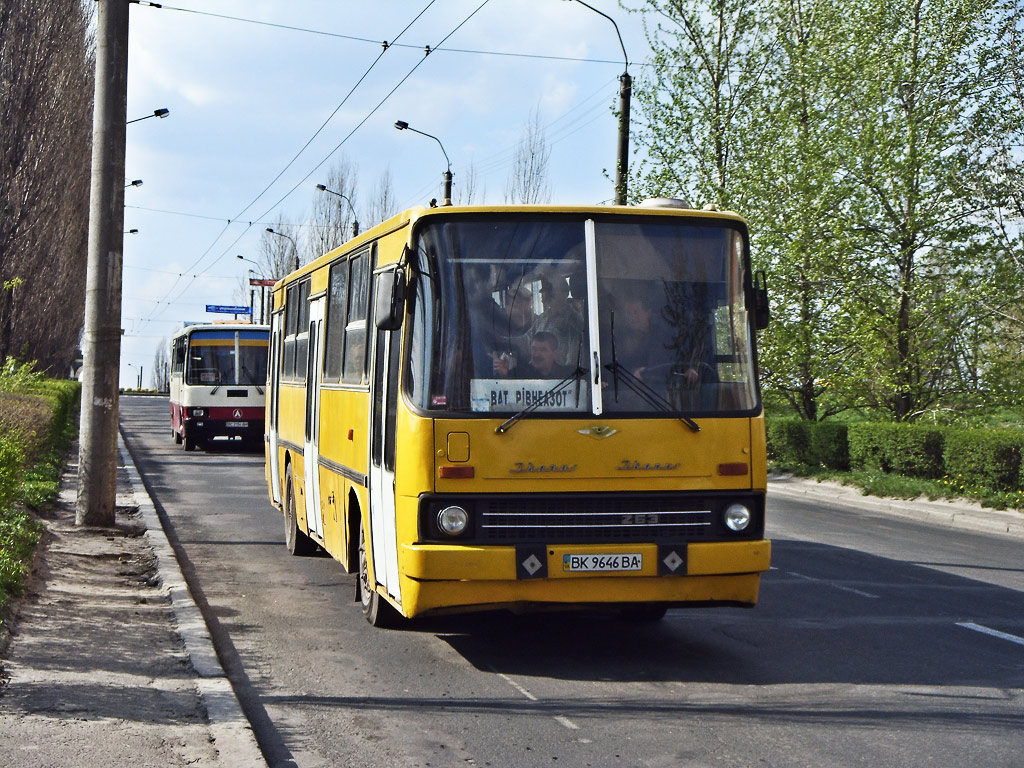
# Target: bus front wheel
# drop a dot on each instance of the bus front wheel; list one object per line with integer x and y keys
{"x": 298, "y": 543}
{"x": 376, "y": 609}
{"x": 188, "y": 440}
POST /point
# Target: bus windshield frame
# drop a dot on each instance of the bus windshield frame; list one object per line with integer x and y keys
{"x": 226, "y": 358}
{"x": 570, "y": 314}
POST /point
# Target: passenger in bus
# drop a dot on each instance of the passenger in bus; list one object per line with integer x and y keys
{"x": 561, "y": 318}
{"x": 543, "y": 362}
{"x": 512, "y": 334}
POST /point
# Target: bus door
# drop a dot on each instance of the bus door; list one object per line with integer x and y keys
{"x": 271, "y": 423}
{"x": 311, "y": 449}
{"x": 383, "y": 531}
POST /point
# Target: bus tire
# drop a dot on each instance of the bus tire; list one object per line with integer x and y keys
{"x": 298, "y": 543}
{"x": 176, "y": 435}
{"x": 188, "y": 440}
{"x": 376, "y": 609}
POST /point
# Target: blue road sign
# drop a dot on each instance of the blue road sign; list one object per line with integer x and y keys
{"x": 229, "y": 310}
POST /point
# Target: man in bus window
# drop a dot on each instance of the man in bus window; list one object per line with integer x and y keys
{"x": 543, "y": 362}
{"x": 560, "y": 317}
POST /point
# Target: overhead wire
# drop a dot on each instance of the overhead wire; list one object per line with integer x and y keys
{"x": 295, "y": 157}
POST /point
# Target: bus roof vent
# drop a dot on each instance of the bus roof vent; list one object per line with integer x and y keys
{"x": 665, "y": 202}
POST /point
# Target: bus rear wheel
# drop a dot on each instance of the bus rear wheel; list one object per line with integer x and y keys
{"x": 376, "y": 609}
{"x": 298, "y": 543}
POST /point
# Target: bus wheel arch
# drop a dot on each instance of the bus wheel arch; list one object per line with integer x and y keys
{"x": 376, "y": 610}
{"x": 297, "y": 542}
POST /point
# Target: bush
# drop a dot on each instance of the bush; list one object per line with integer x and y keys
{"x": 829, "y": 445}
{"x": 912, "y": 450}
{"x": 789, "y": 441}
{"x": 11, "y": 461}
{"x": 987, "y": 457}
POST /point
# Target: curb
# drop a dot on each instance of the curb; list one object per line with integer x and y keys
{"x": 233, "y": 735}
{"x": 961, "y": 516}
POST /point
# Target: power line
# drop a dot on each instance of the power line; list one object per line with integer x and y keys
{"x": 292, "y": 161}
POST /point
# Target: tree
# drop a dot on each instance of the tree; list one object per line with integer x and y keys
{"x": 46, "y": 71}
{"x": 279, "y": 252}
{"x": 466, "y": 188}
{"x": 383, "y": 205}
{"x": 332, "y": 216}
{"x": 528, "y": 180}
{"x": 162, "y": 367}
{"x": 919, "y": 120}
{"x": 871, "y": 148}
{"x": 698, "y": 97}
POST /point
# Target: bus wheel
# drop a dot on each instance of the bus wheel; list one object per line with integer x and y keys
{"x": 177, "y": 436}
{"x": 376, "y": 609}
{"x": 644, "y": 612}
{"x": 298, "y": 543}
{"x": 188, "y": 440}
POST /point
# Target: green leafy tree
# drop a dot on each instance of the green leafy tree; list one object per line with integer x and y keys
{"x": 918, "y": 123}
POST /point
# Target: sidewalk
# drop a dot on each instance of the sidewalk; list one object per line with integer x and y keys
{"x": 962, "y": 514}
{"x": 108, "y": 662}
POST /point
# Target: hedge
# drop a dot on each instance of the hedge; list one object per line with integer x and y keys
{"x": 987, "y": 457}
{"x": 990, "y": 458}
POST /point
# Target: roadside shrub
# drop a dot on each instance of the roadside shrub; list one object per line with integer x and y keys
{"x": 829, "y": 445}
{"x": 915, "y": 450}
{"x": 867, "y": 446}
{"x": 11, "y": 461}
{"x": 789, "y": 441}
{"x": 987, "y": 457}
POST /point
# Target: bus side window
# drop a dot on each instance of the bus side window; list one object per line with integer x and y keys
{"x": 291, "y": 319}
{"x": 355, "y": 328}
{"x": 337, "y": 304}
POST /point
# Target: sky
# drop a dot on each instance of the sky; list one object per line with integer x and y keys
{"x": 261, "y": 112}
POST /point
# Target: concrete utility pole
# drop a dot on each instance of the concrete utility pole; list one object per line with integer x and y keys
{"x": 101, "y": 348}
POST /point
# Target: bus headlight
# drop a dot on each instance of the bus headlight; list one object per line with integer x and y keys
{"x": 198, "y": 412}
{"x": 453, "y": 520}
{"x": 737, "y": 517}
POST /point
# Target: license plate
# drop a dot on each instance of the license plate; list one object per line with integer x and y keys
{"x": 237, "y": 424}
{"x": 617, "y": 561}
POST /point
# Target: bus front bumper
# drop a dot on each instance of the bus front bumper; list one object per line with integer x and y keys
{"x": 441, "y": 578}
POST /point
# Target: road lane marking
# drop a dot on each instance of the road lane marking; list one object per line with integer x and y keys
{"x": 517, "y": 686}
{"x": 567, "y": 722}
{"x": 562, "y": 720}
{"x": 834, "y": 585}
{"x": 992, "y": 632}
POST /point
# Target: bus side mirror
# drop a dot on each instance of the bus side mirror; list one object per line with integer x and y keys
{"x": 762, "y": 312}
{"x": 389, "y": 306}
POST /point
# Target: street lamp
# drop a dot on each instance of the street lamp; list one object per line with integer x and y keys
{"x": 625, "y": 89}
{"x": 136, "y": 183}
{"x": 404, "y": 126}
{"x": 139, "y": 368}
{"x": 131, "y": 231}
{"x": 295, "y": 247}
{"x": 355, "y": 219}
{"x": 161, "y": 113}
{"x": 262, "y": 285}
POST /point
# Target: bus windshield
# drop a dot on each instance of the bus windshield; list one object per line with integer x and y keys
{"x": 628, "y": 316}
{"x": 231, "y": 358}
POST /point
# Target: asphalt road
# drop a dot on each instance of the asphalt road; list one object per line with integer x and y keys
{"x": 877, "y": 642}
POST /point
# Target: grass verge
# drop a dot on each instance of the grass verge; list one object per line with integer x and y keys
{"x": 900, "y": 487}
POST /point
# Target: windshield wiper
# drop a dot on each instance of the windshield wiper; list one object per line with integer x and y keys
{"x": 575, "y": 376}
{"x": 249, "y": 376}
{"x": 640, "y": 387}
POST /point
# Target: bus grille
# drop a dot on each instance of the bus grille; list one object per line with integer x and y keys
{"x": 555, "y": 520}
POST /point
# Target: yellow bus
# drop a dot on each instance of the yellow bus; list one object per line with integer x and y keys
{"x": 526, "y": 407}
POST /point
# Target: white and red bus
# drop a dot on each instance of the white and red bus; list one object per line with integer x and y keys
{"x": 218, "y": 383}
